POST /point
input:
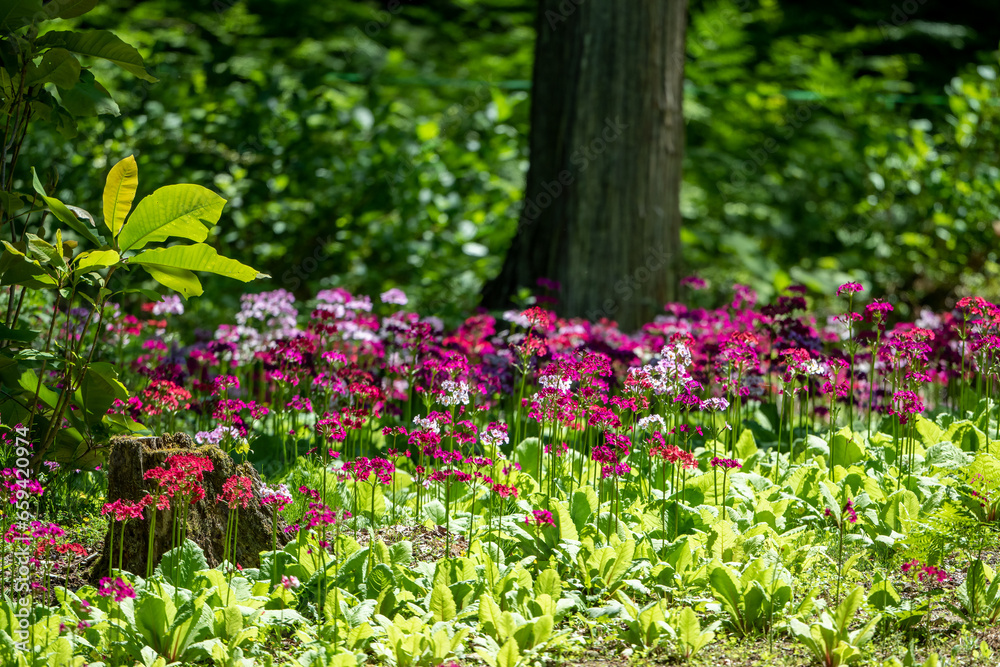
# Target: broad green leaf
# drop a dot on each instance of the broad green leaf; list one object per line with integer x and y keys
{"x": 726, "y": 587}
{"x": 119, "y": 192}
{"x": 548, "y": 582}
{"x": 508, "y": 655}
{"x": 58, "y": 66}
{"x": 95, "y": 259}
{"x": 489, "y": 615}
{"x": 98, "y": 44}
{"x": 746, "y": 446}
{"x": 13, "y": 12}
{"x": 45, "y": 252}
{"x": 689, "y": 632}
{"x": 61, "y": 212}
{"x": 88, "y": 98}
{"x": 69, "y": 9}
{"x": 583, "y": 506}
{"x": 173, "y": 210}
{"x": 100, "y": 388}
{"x": 203, "y": 257}
{"x": 401, "y": 553}
{"x": 442, "y": 604}
{"x": 179, "y": 280}
{"x": 18, "y": 335}
{"x": 848, "y": 609}
{"x": 179, "y": 566}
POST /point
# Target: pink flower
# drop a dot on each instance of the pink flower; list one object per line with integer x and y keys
{"x": 119, "y": 588}
{"x": 849, "y": 288}
{"x": 236, "y": 491}
{"x": 540, "y": 518}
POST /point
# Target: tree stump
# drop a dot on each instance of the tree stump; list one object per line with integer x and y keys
{"x": 131, "y": 457}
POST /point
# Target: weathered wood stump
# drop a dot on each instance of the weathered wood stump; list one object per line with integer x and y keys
{"x": 130, "y": 458}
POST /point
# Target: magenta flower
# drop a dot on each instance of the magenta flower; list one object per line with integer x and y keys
{"x": 726, "y": 464}
{"x": 540, "y": 518}
{"x": 849, "y": 288}
{"x": 119, "y": 588}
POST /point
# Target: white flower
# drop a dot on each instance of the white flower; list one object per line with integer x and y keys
{"x": 455, "y": 393}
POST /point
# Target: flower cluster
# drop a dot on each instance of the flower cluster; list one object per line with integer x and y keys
{"x": 540, "y": 518}
{"x": 118, "y": 587}
{"x": 923, "y": 572}
{"x": 237, "y": 491}
{"x": 726, "y": 464}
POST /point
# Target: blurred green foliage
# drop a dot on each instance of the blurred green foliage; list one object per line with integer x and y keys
{"x": 378, "y": 144}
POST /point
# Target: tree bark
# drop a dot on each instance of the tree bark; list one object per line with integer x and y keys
{"x": 601, "y": 214}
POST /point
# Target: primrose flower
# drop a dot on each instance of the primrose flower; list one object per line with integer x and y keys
{"x": 279, "y": 496}
{"x": 236, "y": 491}
{"x": 395, "y": 297}
{"x": 540, "y": 518}
{"x": 289, "y": 582}
{"x": 849, "y": 288}
{"x": 123, "y": 510}
{"x": 726, "y": 464}
{"x": 119, "y": 588}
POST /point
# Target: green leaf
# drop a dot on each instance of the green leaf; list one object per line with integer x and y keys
{"x": 69, "y": 9}
{"x": 88, "y": 98}
{"x": 946, "y": 455}
{"x": 508, "y": 655}
{"x": 58, "y": 66}
{"x": 11, "y": 201}
{"x": 119, "y": 193}
{"x": 442, "y": 604}
{"x": 44, "y": 252}
{"x": 98, "y": 44}
{"x": 689, "y": 632}
{"x": 179, "y": 280}
{"x": 179, "y": 566}
{"x": 19, "y": 335}
{"x": 95, "y": 259}
{"x": 489, "y": 616}
{"x": 401, "y": 553}
{"x": 173, "y": 210}
{"x": 583, "y": 507}
{"x": 63, "y": 214}
{"x": 200, "y": 257}
{"x": 12, "y": 11}
{"x": 746, "y": 446}
{"x": 100, "y": 388}
{"x": 848, "y": 609}
{"x": 726, "y": 587}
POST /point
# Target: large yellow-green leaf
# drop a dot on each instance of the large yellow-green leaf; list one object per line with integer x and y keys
{"x": 95, "y": 259}
{"x": 195, "y": 257}
{"x": 119, "y": 192}
{"x": 173, "y": 210}
{"x": 179, "y": 280}
{"x": 98, "y": 44}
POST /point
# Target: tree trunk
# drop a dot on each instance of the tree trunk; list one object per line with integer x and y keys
{"x": 601, "y": 214}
